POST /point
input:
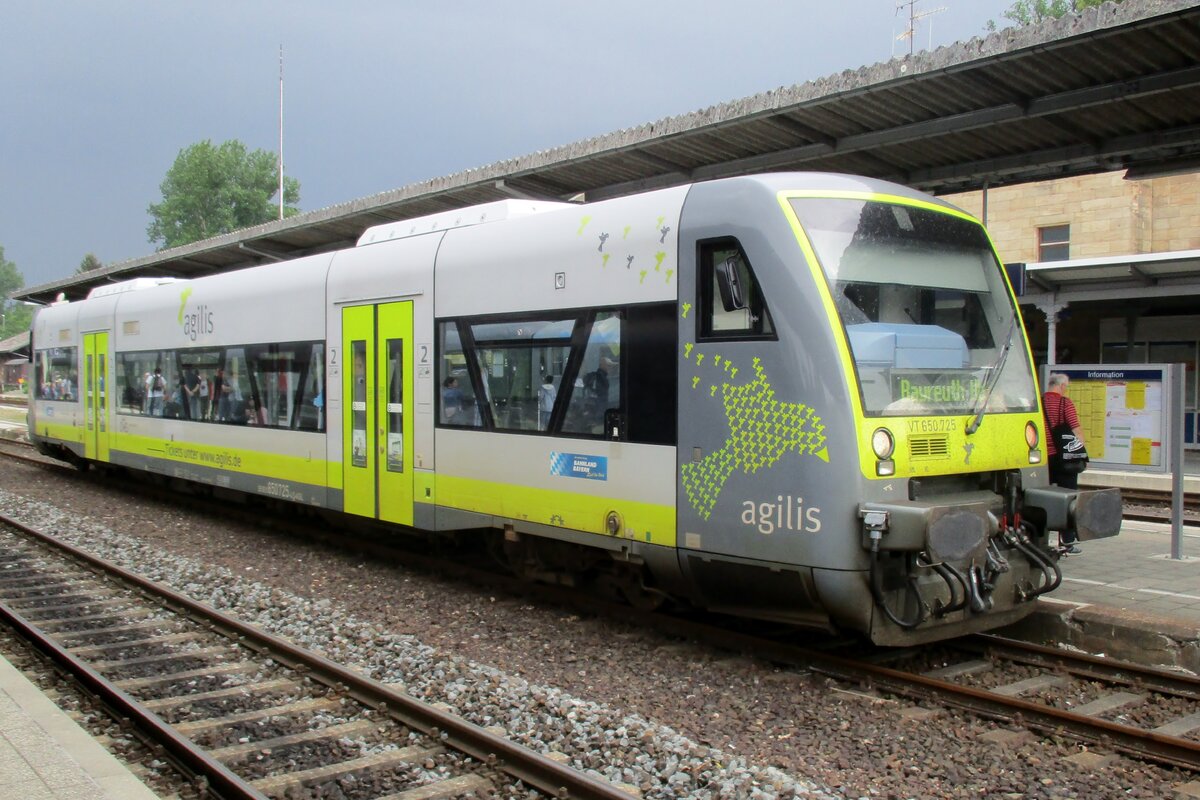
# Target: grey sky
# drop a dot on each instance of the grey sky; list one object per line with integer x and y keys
{"x": 98, "y": 98}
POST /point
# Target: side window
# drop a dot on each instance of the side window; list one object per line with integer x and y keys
{"x": 280, "y": 391}
{"x": 731, "y": 301}
{"x": 312, "y": 391}
{"x": 608, "y": 373}
{"x": 456, "y": 398}
{"x": 235, "y": 388}
{"x": 597, "y": 386}
{"x": 515, "y": 359}
{"x": 138, "y": 391}
{"x": 509, "y": 373}
{"x": 198, "y": 368}
{"x": 273, "y": 385}
{"x": 56, "y": 372}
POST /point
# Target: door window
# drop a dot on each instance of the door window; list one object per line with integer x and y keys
{"x": 102, "y": 369}
{"x": 358, "y": 404}
{"x": 395, "y": 405}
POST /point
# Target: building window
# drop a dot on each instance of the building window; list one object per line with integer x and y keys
{"x": 1054, "y": 243}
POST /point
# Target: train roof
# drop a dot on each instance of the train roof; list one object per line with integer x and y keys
{"x": 129, "y": 286}
{"x": 839, "y": 182}
{"x": 457, "y": 218}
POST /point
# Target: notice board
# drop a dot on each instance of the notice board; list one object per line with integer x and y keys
{"x": 1124, "y": 412}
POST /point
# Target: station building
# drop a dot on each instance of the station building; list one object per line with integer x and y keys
{"x": 1110, "y": 265}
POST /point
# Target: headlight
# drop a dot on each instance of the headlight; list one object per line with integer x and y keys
{"x": 1031, "y": 434}
{"x": 883, "y": 443}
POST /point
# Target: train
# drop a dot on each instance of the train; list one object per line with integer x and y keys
{"x": 805, "y": 398}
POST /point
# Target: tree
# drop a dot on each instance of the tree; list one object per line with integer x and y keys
{"x": 1028, "y": 12}
{"x": 16, "y": 316}
{"x": 214, "y": 190}
{"x": 89, "y": 263}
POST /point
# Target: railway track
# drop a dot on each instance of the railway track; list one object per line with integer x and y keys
{"x": 1149, "y": 505}
{"x": 1144, "y": 713}
{"x": 1139, "y": 711}
{"x": 248, "y": 714}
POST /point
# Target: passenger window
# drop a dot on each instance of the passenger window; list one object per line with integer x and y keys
{"x": 731, "y": 302}
{"x": 456, "y": 398}
{"x": 280, "y": 392}
{"x": 56, "y": 374}
{"x": 608, "y": 373}
{"x": 519, "y": 364}
{"x": 231, "y": 405}
{"x": 312, "y": 395}
{"x": 199, "y": 368}
{"x": 598, "y": 383}
{"x": 136, "y": 383}
{"x": 515, "y": 358}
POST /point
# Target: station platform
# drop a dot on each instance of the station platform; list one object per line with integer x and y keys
{"x": 1127, "y": 598}
{"x": 45, "y": 755}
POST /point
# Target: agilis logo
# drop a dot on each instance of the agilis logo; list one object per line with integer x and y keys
{"x": 196, "y": 322}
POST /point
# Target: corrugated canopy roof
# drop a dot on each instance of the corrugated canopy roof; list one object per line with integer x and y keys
{"x": 1116, "y": 87}
{"x": 18, "y": 344}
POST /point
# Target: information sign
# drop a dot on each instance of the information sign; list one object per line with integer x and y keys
{"x": 1123, "y": 411}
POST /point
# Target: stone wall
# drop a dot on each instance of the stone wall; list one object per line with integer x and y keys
{"x": 1108, "y": 215}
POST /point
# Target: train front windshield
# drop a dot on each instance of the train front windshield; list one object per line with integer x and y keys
{"x": 924, "y": 305}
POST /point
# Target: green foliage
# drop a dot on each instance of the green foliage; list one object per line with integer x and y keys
{"x": 16, "y": 315}
{"x": 17, "y": 319}
{"x": 89, "y": 263}
{"x": 1029, "y": 12}
{"x": 214, "y": 190}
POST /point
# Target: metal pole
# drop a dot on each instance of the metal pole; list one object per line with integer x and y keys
{"x": 1175, "y": 438}
{"x": 281, "y": 130}
{"x": 1052, "y": 335}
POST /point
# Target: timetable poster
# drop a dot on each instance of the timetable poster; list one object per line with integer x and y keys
{"x": 1121, "y": 413}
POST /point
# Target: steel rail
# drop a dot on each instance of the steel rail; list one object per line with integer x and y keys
{"x": 516, "y": 760}
{"x": 1147, "y": 744}
{"x": 221, "y": 780}
{"x": 1135, "y": 741}
{"x": 1089, "y": 666}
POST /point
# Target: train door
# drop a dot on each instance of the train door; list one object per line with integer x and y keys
{"x": 377, "y": 464}
{"x": 95, "y": 397}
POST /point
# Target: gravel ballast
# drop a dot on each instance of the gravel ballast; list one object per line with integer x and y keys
{"x": 671, "y": 718}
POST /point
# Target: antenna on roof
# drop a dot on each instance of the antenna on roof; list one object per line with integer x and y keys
{"x": 281, "y": 130}
{"x": 913, "y": 18}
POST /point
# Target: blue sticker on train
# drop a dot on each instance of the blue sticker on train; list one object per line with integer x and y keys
{"x": 575, "y": 465}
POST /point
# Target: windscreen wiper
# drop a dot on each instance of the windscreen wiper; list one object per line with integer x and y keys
{"x": 993, "y": 378}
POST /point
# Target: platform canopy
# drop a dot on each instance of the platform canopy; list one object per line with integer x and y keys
{"x": 1116, "y": 87}
{"x": 1116, "y": 280}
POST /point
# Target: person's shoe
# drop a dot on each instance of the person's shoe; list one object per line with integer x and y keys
{"x": 1072, "y": 550}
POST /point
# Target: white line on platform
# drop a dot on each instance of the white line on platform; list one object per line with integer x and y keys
{"x": 1119, "y": 587}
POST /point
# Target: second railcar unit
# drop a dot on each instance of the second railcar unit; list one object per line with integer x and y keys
{"x": 799, "y": 397}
